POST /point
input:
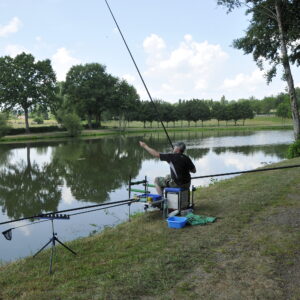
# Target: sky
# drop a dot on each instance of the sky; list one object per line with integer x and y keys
{"x": 182, "y": 48}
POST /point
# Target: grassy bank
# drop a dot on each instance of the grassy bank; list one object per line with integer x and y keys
{"x": 134, "y": 130}
{"x": 251, "y": 252}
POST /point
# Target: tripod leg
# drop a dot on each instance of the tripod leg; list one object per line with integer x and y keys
{"x": 65, "y": 246}
{"x": 42, "y": 248}
{"x": 51, "y": 257}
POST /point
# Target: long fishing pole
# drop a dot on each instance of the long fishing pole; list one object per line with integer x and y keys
{"x": 117, "y": 203}
{"x": 249, "y": 171}
{"x": 71, "y": 209}
{"x": 149, "y": 95}
{"x": 7, "y": 232}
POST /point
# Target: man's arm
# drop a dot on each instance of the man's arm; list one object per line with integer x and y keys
{"x": 192, "y": 167}
{"x": 153, "y": 152}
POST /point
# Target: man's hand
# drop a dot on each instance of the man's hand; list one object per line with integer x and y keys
{"x": 142, "y": 144}
{"x": 149, "y": 150}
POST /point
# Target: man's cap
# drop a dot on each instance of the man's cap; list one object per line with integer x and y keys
{"x": 181, "y": 146}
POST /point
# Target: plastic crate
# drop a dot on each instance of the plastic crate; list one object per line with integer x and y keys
{"x": 176, "y": 222}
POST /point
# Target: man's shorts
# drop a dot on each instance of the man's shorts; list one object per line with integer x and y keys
{"x": 169, "y": 182}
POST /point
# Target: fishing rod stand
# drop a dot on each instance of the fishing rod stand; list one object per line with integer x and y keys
{"x": 53, "y": 240}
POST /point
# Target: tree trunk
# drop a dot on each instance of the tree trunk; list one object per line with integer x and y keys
{"x": 120, "y": 122}
{"x": 27, "y": 130}
{"x": 90, "y": 121}
{"x": 99, "y": 115}
{"x": 97, "y": 121}
{"x": 288, "y": 73}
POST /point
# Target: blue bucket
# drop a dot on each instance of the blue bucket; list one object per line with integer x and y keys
{"x": 176, "y": 222}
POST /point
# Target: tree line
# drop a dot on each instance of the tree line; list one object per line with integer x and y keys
{"x": 90, "y": 93}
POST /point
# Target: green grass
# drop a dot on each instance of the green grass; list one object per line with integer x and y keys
{"x": 20, "y": 123}
{"x": 249, "y": 253}
{"x": 258, "y": 123}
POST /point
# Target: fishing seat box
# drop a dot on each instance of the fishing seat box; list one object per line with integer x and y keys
{"x": 178, "y": 198}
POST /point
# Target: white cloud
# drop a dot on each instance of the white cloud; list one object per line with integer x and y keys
{"x": 153, "y": 43}
{"x": 25, "y": 230}
{"x": 184, "y": 71}
{"x": 12, "y": 27}
{"x": 62, "y": 61}
{"x": 245, "y": 81}
{"x": 231, "y": 161}
{"x": 129, "y": 78}
{"x": 13, "y": 50}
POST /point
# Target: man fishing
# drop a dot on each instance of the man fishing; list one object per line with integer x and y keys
{"x": 180, "y": 166}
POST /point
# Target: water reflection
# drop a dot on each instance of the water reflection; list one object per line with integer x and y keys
{"x": 275, "y": 150}
{"x": 27, "y": 188}
{"x": 42, "y": 177}
{"x": 92, "y": 169}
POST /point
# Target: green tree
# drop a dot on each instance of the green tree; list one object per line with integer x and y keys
{"x": 234, "y": 110}
{"x": 246, "y": 111}
{"x": 283, "y": 110}
{"x": 268, "y": 104}
{"x": 90, "y": 89}
{"x": 3, "y": 125}
{"x": 204, "y": 111}
{"x": 72, "y": 123}
{"x": 26, "y": 84}
{"x": 272, "y": 36}
{"x": 218, "y": 111}
{"x": 147, "y": 113}
{"x": 124, "y": 103}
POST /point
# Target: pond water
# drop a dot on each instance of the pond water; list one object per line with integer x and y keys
{"x": 52, "y": 176}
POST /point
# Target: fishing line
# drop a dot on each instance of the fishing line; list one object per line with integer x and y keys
{"x": 102, "y": 208}
{"x": 141, "y": 77}
{"x": 249, "y": 171}
{"x": 129, "y": 201}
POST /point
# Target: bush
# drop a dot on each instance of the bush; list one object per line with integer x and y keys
{"x": 38, "y": 120}
{"x": 3, "y": 125}
{"x": 294, "y": 149}
{"x": 72, "y": 123}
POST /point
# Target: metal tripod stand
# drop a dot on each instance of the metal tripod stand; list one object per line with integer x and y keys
{"x": 52, "y": 241}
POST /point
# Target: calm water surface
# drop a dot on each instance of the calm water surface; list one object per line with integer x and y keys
{"x": 43, "y": 177}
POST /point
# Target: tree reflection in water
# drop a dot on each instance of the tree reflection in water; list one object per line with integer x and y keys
{"x": 27, "y": 189}
{"x": 93, "y": 168}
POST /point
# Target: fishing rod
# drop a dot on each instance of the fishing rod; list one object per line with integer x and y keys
{"x": 50, "y": 216}
{"x": 71, "y": 209}
{"x": 129, "y": 201}
{"x": 141, "y": 77}
{"x": 249, "y": 171}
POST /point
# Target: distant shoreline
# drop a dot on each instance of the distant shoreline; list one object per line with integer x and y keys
{"x": 105, "y": 132}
